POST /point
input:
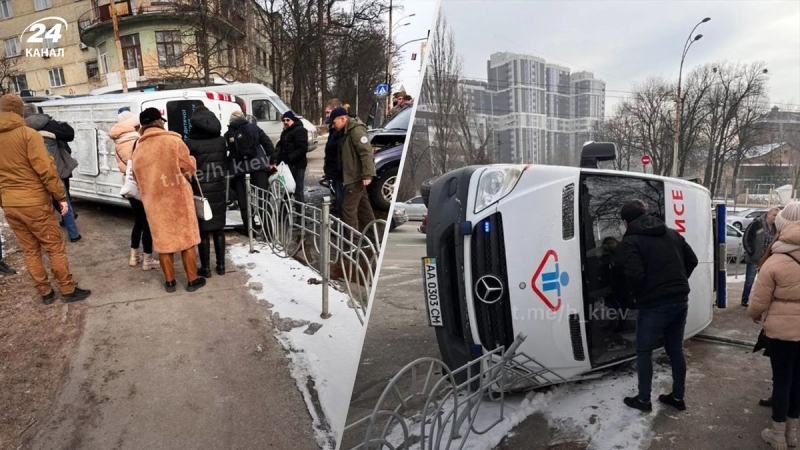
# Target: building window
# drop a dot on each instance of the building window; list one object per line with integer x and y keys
{"x": 56, "y": 77}
{"x": 13, "y": 47}
{"x": 170, "y": 52}
{"x": 103, "y": 51}
{"x": 20, "y": 83}
{"x": 41, "y": 4}
{"x": 49, "y": 43}
{"x": 6, "y": 10}
{"x": 92, "y": 70}
{"x": 132, "y": 52}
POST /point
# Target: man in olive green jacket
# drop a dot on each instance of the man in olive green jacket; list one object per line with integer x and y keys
{"x": 357, "y": 166}
{"x": 29, "y": 182}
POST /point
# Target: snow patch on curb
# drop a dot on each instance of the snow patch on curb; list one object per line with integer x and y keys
{"x": 322, "y": 361}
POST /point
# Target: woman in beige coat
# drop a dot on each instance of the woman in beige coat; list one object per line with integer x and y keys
{"x": 162, "y": 166}
{"x": 125, "y": 133}
{"x": 777, "y": 292}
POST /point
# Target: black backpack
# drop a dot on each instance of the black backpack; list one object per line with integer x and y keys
{"x": 246, "y": 142}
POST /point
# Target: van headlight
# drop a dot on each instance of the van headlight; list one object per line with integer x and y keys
{"x": 495, "y": 183}
{"x": 310, "y": 137}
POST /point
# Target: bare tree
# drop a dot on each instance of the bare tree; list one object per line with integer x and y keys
{"x": 650, "y": 110}
{"x": 8, "y": 70}
{"x": 475, "y": 135}
{"x": 620, "y": 129}
{"x": 441, "y": 92}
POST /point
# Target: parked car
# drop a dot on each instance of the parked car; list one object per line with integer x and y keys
{"x": 742, "y": 219}
{"x": 415, "y": 208}
{"x": 423, "y": 228}
{"x": 388, "y": 142}
{"x": 399, "y": 217}
{"x": 733, "y": 243}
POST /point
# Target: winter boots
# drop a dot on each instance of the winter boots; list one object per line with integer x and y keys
{"x": 205, "y": 254}
{"x": 791, "y": 432}
{"x": 219, "y": 252}
{"x": 150, "y": 263}
{"x": 775, "y": 436}
{"x": 135, "y": 258}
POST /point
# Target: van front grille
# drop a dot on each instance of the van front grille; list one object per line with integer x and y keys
{"x": 489, "y": 272}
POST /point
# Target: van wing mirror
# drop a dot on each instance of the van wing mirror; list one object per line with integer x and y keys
{"x": 594, "y": 152}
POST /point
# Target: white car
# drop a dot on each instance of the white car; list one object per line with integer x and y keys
{"x": 733, "y": 243}
{"x": 415, "y": 208}
{"x": 740, "y": 220}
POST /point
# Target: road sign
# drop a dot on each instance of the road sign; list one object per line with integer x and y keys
{"x": 382, "y": 90}
{"x": 645, "y": 159}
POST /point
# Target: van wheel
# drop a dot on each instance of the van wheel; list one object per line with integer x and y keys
{"x": 737, "y": 225}
{"x": 383, "y": 190}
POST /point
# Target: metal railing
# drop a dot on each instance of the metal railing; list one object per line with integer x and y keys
{"x": 424, "y": 406}
{"x": 294, "y": 229}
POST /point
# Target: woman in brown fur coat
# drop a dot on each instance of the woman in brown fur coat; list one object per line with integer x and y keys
{"x": 162, "y": 166}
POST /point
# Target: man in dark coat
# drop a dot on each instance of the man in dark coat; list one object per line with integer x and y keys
{"x": 757, "y": 238}
{"x": 292, "y": 150}
{"x": 657, "y": 262}
{"x": 208, "y": 147}
{"x": 331, "y": 167}
{"x": 258, "y": 166}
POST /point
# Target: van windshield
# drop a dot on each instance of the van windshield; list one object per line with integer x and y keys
{"x": 283, "y": 107}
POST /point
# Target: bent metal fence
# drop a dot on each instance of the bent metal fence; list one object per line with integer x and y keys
{"x": 344, "y": 257}
{"x": 430, "y": 407}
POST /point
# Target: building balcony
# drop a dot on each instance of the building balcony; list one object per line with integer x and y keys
{"x": 198, "y": 14}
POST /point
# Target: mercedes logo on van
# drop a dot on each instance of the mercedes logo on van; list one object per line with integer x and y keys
{"x": 489, "y": 289}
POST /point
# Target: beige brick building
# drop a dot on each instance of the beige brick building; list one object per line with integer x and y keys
{"x": 162, "y": 44}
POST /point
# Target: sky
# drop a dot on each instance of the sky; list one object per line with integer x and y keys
{"x": 625, "y": 42}
{"x": 418, "y": 25}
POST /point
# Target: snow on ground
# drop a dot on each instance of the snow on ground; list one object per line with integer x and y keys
{"x": 328, "y": 357}
{"x": 590, "y": 411}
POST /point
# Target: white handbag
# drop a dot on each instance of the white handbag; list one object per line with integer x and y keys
{"x": 201, "y": 205}
{"x": 130, "y": 188}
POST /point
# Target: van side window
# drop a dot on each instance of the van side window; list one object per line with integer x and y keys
{"x": 265, "y": 111}
{"x": 611, "y": 328}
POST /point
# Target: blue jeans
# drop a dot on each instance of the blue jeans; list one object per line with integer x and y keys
{"x": 749, "y": 278}
{"x": 652, "y": 323}
{"x": 69, "y": 222}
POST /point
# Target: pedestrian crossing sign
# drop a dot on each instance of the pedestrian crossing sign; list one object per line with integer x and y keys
{"x": 382, "y": 90}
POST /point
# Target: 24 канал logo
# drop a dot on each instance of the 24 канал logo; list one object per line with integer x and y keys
{"x": 42, "y": 42}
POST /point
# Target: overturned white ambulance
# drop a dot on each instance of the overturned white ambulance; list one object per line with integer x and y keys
{"x": 528, "y": 248}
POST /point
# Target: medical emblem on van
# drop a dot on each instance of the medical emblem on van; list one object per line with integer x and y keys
{"x": 46, "y": 37}
{"x": 549, "y": 280}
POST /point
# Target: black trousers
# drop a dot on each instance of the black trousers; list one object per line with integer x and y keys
{"x": 141, "y": 229}
{"x": 785, "y": 359}
{"x": 299, "y": 175}
{"x": 260, "y": 179}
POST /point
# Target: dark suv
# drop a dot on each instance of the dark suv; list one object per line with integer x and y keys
{"x": 388, "y": 142}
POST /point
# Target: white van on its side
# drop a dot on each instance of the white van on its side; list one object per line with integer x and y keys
{"x": 266, "y": 107}
{"x": 97, "y": 177}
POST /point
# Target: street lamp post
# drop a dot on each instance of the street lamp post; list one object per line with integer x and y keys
{"x": 677, "y": 143}
{"x": 389, "y": 58}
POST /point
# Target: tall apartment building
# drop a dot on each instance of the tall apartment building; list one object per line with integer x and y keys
{"x": 164, "y": 44}
{"x": 539, "y": 112}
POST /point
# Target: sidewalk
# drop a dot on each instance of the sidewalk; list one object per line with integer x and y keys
{"x": 168, "y": 371}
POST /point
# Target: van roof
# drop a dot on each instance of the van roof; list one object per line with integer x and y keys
{"x": 130, "y": 97}
{"x": 238, "y": 89}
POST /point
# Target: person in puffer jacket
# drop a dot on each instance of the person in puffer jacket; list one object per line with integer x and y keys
{"x": 125, "y": 134}
{"x": 208, "y": 147}
{"x": 777, "y": 293}
{"x": 56, "y": 135}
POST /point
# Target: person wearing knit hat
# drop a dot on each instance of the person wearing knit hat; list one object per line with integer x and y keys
{"x": 777, "y": 293}
{"x": 236, "y": 115}
{"x": 756, "y": 239}
{"x": 29, "y": 181}
{"x": 292, "y": 150}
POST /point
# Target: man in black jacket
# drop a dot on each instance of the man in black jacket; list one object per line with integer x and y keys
{"x": 258, "y": 165}
{"x": 331, "y": 167}
{"x": 292, "y": 150}
{"x": 657, "y": 262}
